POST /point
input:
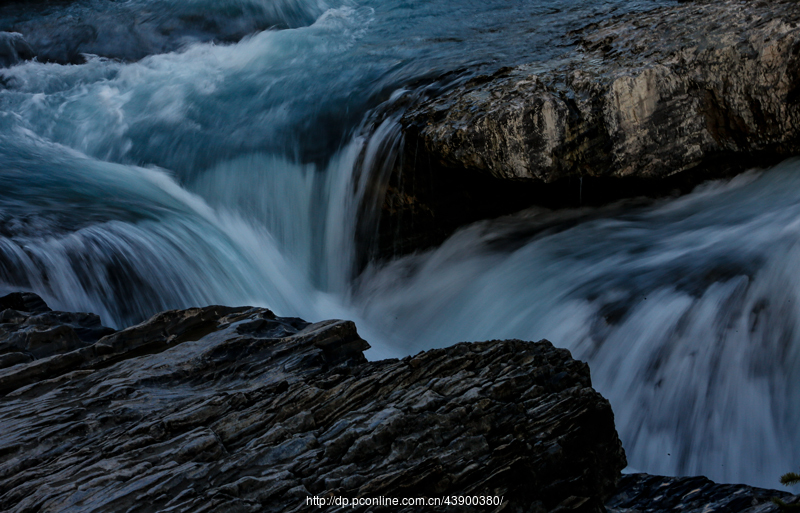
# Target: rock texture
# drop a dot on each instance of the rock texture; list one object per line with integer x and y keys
{"x": 642, "y": 493}
{"x": 650, "y": 95}
{"x": 14, "y": 49}
{"x": 235, "y": 409}
{"x": 644, "y": 104}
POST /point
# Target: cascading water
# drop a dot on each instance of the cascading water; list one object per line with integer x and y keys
{"x": 685, "y": 310}
{"x": 239, "y": 173}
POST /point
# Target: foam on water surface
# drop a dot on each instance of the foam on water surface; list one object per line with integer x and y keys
{"x": 239, "y": 171}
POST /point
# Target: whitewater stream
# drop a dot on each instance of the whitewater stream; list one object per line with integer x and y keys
{"x": 222, "y": 157}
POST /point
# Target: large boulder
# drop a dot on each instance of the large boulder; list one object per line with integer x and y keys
{"x": 235, "y": 409}
{"x": 650, "y": 94}
{"x": 645, "y": 103}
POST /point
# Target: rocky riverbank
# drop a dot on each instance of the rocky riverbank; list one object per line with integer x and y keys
{"x": 646, "y": 103}
{"x": 235, "y": 409}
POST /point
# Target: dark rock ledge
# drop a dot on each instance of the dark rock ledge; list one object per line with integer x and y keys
{"x": 643, "y": 493}
{"x": 235, "y": 409}
{"x": 648, "y": 103}
{"x": 650, "y": 94}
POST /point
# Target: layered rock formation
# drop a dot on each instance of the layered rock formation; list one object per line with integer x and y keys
{"x": 647, "y": 103}
{"x": 657, "y": 494}
{"x": 650, "y": 95}
{"x": 235, "y": 409}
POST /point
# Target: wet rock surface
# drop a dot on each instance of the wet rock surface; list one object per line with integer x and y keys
{"x": 30, "y": 331}
{"x": 65, "y": 31}
{"x": 644, "y": 493}
{"x": 14, "y": 49}
{"x": 235, "y": 409}
{"x": 694, "y": 90}
{"x": 649, "y": 94}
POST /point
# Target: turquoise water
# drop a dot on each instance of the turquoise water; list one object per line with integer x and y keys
{"x": 220, "y": 153}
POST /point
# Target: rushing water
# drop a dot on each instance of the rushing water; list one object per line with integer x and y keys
{"x": 234, "y": 173}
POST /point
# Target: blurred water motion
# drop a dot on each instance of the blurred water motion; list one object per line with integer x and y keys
{"x": 235, "y": 174}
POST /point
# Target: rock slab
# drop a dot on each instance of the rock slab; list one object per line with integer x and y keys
{"x": 643, "y": 104}
{"x": 236, "y": 409}
{"x": 649, "y": 94}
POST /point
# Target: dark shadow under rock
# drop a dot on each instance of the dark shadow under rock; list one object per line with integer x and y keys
{"x": 14, "y": 49}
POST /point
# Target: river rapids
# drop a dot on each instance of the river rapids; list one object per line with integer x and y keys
{"x": 219, "y": 153}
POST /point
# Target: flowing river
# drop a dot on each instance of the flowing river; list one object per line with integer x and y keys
{"x": 221, "y": 157}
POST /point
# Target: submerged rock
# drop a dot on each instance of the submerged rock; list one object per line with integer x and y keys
{"x": 14, "y": 49}
{"x": 65, "y": 31}
{"x": 235, "y": 409}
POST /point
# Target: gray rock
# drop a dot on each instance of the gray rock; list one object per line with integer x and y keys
{"x": 23, "y": 302}
{"x": 650, "y": 95}
{"x": 235, "y": 409}
{"x": 14, "y": 49}
{"x": 645, "y": 104}
{"x": 53, "y": 342}
{"x": 643, "y": 493}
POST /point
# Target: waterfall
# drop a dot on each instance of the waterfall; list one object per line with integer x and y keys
{"x": 685, "y": 310}
{"x": 252, "y": 172}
